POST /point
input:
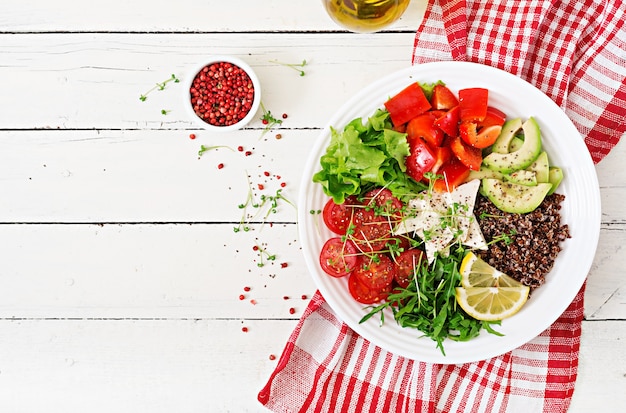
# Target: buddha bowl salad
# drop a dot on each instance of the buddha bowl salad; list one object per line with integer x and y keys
{"x": 442, "y": 209}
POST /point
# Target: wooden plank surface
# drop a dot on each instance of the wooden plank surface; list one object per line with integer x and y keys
{"x": 121, "y": 270}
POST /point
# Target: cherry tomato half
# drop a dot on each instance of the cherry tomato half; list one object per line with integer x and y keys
{"x": 371, "y": 231}
{"x": 363, "y": 294}
{"x": 376, "y": 272}
{"x": 386, "y": 203}
{"x": 406, "y": 264}
{"x": 338, "y": 257}
{"x": 337, "y": 217}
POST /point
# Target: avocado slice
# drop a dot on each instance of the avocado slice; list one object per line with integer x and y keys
{"x": 521, "y": 158}
{"x": 484, "y": 173}
{"x": 555, "y": 176}
{"x": 522, "y": 177}
{"x": 509, "y": 129}
{"x": 514, "y": 198}
{"x": 541, "y": 167}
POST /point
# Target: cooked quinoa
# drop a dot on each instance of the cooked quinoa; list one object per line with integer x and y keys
{"x": 526, "y": 244}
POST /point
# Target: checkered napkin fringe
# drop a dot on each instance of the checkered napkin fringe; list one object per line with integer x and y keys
{"x": 575, "y": 52}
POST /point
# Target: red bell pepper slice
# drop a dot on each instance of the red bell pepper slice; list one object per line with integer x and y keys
{"x": 407, "y": 104}
{"x": 473, "y": 104}
{"x": 494, "y": 117}
{"x": 449, "y": 122}
{"x": 420, "y": 160}
{"x": 454, "y": 174}
{"x": 468, "y": 155}
{"x": 442, "y": 98}
{"x": 479, "y": 139}
{"x": 423, "y": 127}
{"x": 442, "y": 154}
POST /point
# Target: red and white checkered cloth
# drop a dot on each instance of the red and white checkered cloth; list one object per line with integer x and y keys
{"x": 575, "y": 52}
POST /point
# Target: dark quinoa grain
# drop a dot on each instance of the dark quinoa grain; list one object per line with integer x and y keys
{"x": 533, "y": 242}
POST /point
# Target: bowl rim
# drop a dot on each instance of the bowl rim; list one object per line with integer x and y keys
{"x": 237, "y": 62}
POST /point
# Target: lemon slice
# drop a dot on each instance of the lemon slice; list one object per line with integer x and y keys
{"x": 477, "y": 273}
{"x": 492, "y": 303}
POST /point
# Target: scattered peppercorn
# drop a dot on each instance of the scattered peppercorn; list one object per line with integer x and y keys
{"x": 244, "y": 329}
{"x": 292, "y": 310}
{"x": 272, "y": 357}
{"x": 192, "y": 136}
{"x": 284, "y": 116}
{"x": 220, "y": 166}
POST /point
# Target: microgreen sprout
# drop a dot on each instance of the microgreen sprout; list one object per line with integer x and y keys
{"x": 159, "y": 86}
{"x": 507, "y": 238}
{"x": 263, "y": 255}
{"x": 294, "y": 66}
{"x": 268, "y": 120}
{"x": 267, "y": 203}
{"x": 204, "y": 148}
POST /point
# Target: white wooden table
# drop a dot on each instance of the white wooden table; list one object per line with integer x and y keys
{"x": 120, "y": 270}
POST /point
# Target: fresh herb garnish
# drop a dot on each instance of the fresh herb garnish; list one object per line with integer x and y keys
{"x": 159, "y": 86}
{"x": 294, "y": 66}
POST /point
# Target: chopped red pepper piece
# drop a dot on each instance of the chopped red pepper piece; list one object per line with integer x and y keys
{"x": 449, "y": 122}
{"x": 443, "y": 98}
{"x": 473, "y": 104}
{"x": 454, "y": 174}
{"x": 479, "y": 139}
{"x": 468, "y": 155}
{"x": 423, "y": 126}
{"x": 407, "y": 104}
{"x": 494, "y": 117}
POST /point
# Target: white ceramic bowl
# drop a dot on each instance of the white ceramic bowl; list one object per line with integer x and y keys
{"x": 189, "y": 82}
{"x": 580, "y": 211}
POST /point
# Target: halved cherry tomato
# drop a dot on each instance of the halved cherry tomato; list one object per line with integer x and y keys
{"x": 468, "y": 155}
{"x": 420, "y": 160}
{"x": 338, "y": 257}
{"x": 449, "y": 122}
{"x": 337, "y": 217}
{"x": 443, "y": 98}
{"x": 454, "y": 174}
{"x": 376, "y": 272}
{"x": 473, "y": 104}
{"x": 371, "y": 231}
{"x": 386, "y": 204}
{"x": 494, "y": 117}
{"x": 363, "y": 294}
{"x": 423, "y": 127}
{"x": 478, "y": 139}
{"x": 406, "y": 264}
{"x": 407, "y": 104}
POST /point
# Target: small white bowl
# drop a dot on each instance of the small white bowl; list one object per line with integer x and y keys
{"x": 243, "y": 119}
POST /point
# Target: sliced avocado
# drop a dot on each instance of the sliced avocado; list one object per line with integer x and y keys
{"x": 541, "y": 167}
{"x": 555, "y": 176}
{"x": 516, "y": 143}
{"x": 484, "y": 173}
{"x": 522, "y": 177}
{"x": 514, "y": 198}
{"x": 509, "y": 129}
{"x": 521, "y": 158}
